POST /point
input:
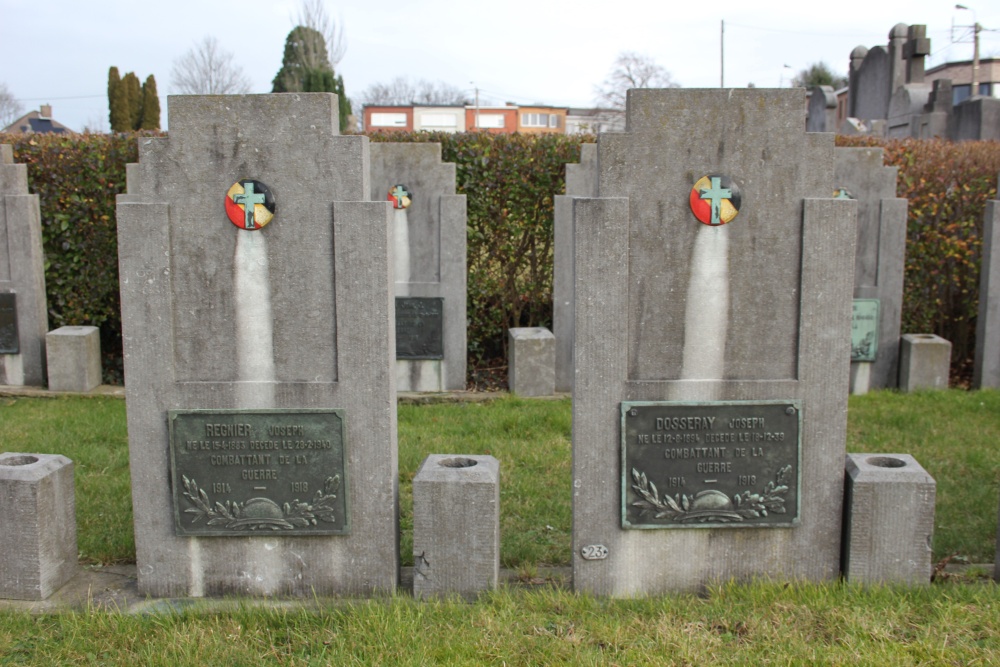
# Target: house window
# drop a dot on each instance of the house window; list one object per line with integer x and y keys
{"x": 539, "y": 120}
{"x": 490, "y": 121}
{"x": 388, "y": 120}
{"x": 960, "y": 93}
{"x": 438, "y": 120}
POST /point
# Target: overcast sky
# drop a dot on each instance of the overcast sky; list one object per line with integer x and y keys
{"x": 523, "y": 51}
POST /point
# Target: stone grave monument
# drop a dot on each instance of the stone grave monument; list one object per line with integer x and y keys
{"x": 986, "y": 368}
{"x": 257, "y": 323}
{"x": 24, "y": 317}
{"x": 581, "y": 181}
{"x": 879, "y": 264}
{"x": 430, "y": 266}
{"x": 712, "y": 317}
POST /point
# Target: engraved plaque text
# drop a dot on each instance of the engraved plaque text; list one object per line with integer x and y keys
{"x": 419, "y": 328}
{"x": 864, "y": 330}
{"x": 9, "y": 341}
{"x": 240, "y": 472}
{"x": 691, "y": 465}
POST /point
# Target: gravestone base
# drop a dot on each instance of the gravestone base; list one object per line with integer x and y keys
{"x": 532, "y": 361}
{"x": 888, "y": 520}
{"x": 38, "y": 524}
{"x": 73, "y": 355}
{"x": 924, "y": 362}
{"x": 861, "y": 377}
{"x": 456, "y": 525}
{"x": 424, "y": 375}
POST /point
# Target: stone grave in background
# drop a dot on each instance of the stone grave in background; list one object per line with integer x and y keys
{"x": 257, "y": 315}
{"x": 430, "y": 266}
{"x": 24, "y": 318}
{"x": 986, "y": 369}
{"x": 581, "y": 181}
{"x": 879, "y": 264}
{"x": 710, "y": 397}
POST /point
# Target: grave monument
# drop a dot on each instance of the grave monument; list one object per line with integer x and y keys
{"x": 712, "y": 316}
{"x": 879, "y": 265}
{"x": 986, "y": 368}
{"x": 257, "y": 322}
{"x": 430, "y": 266}
{"x": 581, "y": 181}
{"x": 24, "y": 317}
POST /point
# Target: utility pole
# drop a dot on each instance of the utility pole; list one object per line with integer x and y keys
{"x": 722, "y": 54}
{"x": 976, "y": 29}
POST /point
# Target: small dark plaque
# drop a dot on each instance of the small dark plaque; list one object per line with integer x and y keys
{"x": 239, "y": 472}
{"x": 9, "y": 341}
{"x": 419, "y": 327}
{"x": 864, "y": 330}
{"x": 691, "y": 465}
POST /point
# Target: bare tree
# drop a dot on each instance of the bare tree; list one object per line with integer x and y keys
{"x": 630, "y": 70}
{"x": 401, "y": 91}
{"x": 208, "y": 70}
{"x": 313, "y": 15}
{"x": 10, "y": 108}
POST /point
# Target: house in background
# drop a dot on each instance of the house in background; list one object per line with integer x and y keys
{"x": 387, "y": 119}
{"x": 37, "y": 122}
{"x": 542, "y": 119}
{"x": 496, "y": 119}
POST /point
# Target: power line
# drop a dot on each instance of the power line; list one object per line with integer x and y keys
{"x": 47, "y": 99}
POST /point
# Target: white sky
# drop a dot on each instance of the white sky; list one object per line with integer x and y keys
{"x": 523, "y": 51}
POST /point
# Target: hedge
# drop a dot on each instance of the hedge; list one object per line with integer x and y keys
{"x": 947, "y": 185}
{"x": 510, "y": 181}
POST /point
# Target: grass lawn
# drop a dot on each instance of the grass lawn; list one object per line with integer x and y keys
{"x": 954, "y": 435}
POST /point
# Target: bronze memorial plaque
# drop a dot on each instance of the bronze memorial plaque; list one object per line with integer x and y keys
{"x": 691, "y": 465}
{"x": 419, "y": 327}
{"x": 9, "y": 341}
{"x": 240, "y": 472}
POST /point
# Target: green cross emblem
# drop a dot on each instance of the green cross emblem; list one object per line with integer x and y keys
{"x": 716, "y": 194}
{"x": 249, "y": 198}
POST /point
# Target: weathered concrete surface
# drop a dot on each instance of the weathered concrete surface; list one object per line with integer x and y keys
{"x": 888, "y": 520}
{"x": 924, "y": 362}
{"x": 73, "y": 356}
{"x": 456, "y": 525}
{"x": 323, "y": 264}
{"x": 531, "y": 369}
{"x": 38, "y": 524}
{"x": 986, "y": 369}
{"x": 22, "y": 272}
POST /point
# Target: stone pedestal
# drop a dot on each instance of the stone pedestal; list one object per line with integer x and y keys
{"x": 74, "y": 358}
{"x": 888, "y": 520}
{"x": 532, "y": 361}
{"x": 456, "y": 525}
{"x": 37, "y": 524}
{"x": 924, "y": 361}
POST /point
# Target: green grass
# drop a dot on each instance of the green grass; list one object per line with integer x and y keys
{"x": 955, "y": 435}
{"x": 728, "y": 625}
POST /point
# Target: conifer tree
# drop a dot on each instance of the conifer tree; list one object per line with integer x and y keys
{"x": 150, "y": 116}
{"x": 133, "y": 96}
{"x": 117, "y": 103}
{"x": 306, "y": 68}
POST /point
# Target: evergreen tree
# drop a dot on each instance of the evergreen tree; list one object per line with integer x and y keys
{"x": 133, "y": 95}
{"x": 819, "y": 74}
{"x": 306, "y": 68}
{"x": 305, "y": 49}
{"x": 117, "y": 103}
{"x": 150, "y": 116}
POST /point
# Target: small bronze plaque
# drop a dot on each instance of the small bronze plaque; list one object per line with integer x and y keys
{"x": 691, "y": 465}
{"x": 9, "y": 341}
{"x": 239, "y": 472}
{"x": 864, "y": 330}
{"x": 419, "y": 327}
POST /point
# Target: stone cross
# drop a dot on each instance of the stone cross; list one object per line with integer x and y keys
{"x": 249, "y": 199}
{"x": 916, "y": 47}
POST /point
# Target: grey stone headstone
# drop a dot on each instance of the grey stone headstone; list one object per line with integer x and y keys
{"x": 881, "y": 249}
{"x": 295, "y": 315}
{"x": 647, "y": 329}
{"x": 436, "y": 253}
{"x": 22, "y": 274}
{"x": 581, "y": 181}
{"x": 986, "y": 368}
{"x": 924, "y": 362}
{"x": 822, "y": 114}
{"x": 870, "y": 95}
{"x": 38, "y": 524}
{"x": 888, "y": 520}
